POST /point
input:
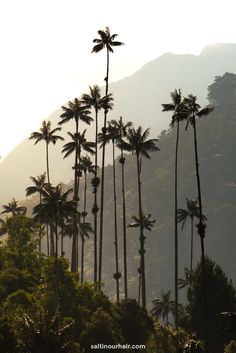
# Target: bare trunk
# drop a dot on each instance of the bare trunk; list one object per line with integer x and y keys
{"x": 124, "y": 226}
{"x": 201, "y": 231}
{"x": 176, "y": 227}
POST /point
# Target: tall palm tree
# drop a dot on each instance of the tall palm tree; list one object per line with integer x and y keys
{"x": 39, "y": 183}
{"x": 76, "y": 111}
{"x": 86, "y": 167}
{"x": 96, "y": 101}
{"x": 147, "y": 223}
{"x": 137, "y": 142}
{"x": 112, "y": 134}
{"x": 105, "y": 41}
{"x": 47, "y": 135}
{"x": 179, "y": 113}
{"x": 54, "y": 206}
{"x": 77, "y": 144}
{"x": 195, "y": 112}
{"x": 122, "y": 132}
{"x": 163, "y": 306}
{"x": 13, "y": 208}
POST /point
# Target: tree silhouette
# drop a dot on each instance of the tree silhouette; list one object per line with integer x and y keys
{"x": 47, "y": 135}
{"x": 13, "y": 208}
{"x": 179, "y": 113}
{"x": 162, "y": 307}
{"x": 86, "y": 166}
{"x": 105, "y": 41}
{"x": 137, "y": 142}
{"x": 122, "y": 131}
{"x": 195, "y": 112}
{"x": 96, "y": 101}
{"x": 39, "y": 183}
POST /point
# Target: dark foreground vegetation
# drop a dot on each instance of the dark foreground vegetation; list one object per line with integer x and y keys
{"x": 46, "y": 302}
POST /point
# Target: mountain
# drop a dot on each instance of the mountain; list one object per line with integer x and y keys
{"x": 137, "y": 98}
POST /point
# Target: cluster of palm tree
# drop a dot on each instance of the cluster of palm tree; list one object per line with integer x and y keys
{"x": 59, "y": 210}
{"x": 187, "y": 109}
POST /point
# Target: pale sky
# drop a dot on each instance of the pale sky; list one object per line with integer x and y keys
{"x": 46, "y": 47}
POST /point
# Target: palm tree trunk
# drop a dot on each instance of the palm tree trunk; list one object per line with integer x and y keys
{"x": 56, "y": 235}
{"x": 95, "y": 197}
{"x": 176, "y": 226}
{"x": 62, "y": 238}
{"x": 102, "y": 180}
{"x": 142, "y": 238}
{"x": 47, "y": 161}
{"x": 115, "y": 224}
{"x": 124, "y": 225}
{"x": 47, "y": 237}
{"x": 84, "y": 219}
{"x": 191, "y": 248}
{"x": 52, "y": 248}
{"x": 201, "y": 231}
{"x": 74, "y": 256}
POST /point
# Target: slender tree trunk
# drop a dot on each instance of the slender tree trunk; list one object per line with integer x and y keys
{"x": 191, "y": 249}
{"x": 142, "y": 238}
{"x": 47, "y": 161}
{"x": 115, "y": 225}
{"x": 102, "y": 181}
{"x": 52, "y": 248}
{"x": 74, "y": 267}
{"x": 62, "y": 239}
{"x": 122, "y": 161}
{"x": 40, "y": 229}
{"x": 176, "y": 227}
{"x": 82, "y": 235}
{"x": 95, "y": 198}
{"x": 47, "y": 237}
{"x": 201, "y": 231}
{"x": 56, "y": 235}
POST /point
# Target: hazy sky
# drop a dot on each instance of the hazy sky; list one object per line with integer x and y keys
{"x": 46, "y": 48}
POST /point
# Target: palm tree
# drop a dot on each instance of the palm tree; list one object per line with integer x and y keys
{"x": 54, "y": 207}
{"x": 163, "y": 306}
{"x": 138, "y": 143}
{"x": 179, "y": 113}
{"x": 195, "y": 112}
{"x": 98, "y": 102}
{"x": 77, "y": 144}
{"x": 146, "y": 222}
{"x": 47, "y": 135}
{"x": 112, "y": 134}
{"x": 76, "y": 111}
{"x": 13, "y": 208}
{"x": 106, "y": 41}
{"x": 191, "y": 212}
{"x": 122, "y": 130}
{"x": 39, "y": 183}
{"x": 86, "y": 167}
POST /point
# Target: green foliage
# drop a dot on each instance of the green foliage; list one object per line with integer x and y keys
{"x": 221, "y": 297}
{"x": 231, "y": 347}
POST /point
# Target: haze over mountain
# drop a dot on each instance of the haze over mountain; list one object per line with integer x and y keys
{"x": 137, "y": 98}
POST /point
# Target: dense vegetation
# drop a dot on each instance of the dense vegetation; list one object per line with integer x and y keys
{"x": 47, "y": 308}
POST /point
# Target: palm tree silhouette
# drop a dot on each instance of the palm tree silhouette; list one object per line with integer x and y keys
{"x": 77, "y": 144}
{"x": 192, "y": 211}
{"x": 54, "y": 207}
{"x": 105, "y": 41}
{"x": 39, "y": 183}
{"x": 47, "y": 135}
{"x": 179, "y": 113}
{"x": 163, "y": 306}
{"x": 122, "y": 130}
{"x": 86, "y": 166}
{"x": 96, "y": 101}
{"x": 195, "y": 112}
{"x": 112, "y": 134}
{"x": 13, "y": 208}
{"x": 76, "y": 111}
{"x": 146, "y": 222}
{"x": 137, "y": 142}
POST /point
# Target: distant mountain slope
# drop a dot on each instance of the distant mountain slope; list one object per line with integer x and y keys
{"x": 137, "y": 98}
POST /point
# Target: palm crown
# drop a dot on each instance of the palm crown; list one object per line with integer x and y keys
{"x": 46, "y": 134}
{"x": 106, "y": 40}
